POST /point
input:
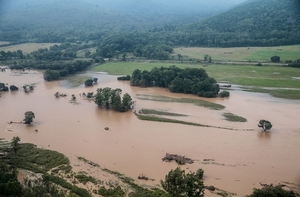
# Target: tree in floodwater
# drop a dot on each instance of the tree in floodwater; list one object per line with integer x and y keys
{"x": 265, "y": 124}
{"x": 111, "y": 99}
{"x": 29, "y": 116}
{"x": 89, "y": 82}
{"x": 13, "y": 88}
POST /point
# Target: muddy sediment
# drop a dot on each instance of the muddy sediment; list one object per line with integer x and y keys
{"x": 135, "y": 147}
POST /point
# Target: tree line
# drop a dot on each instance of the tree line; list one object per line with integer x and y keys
{"x": 61, "y": 69}
{"x": 188, "y": 80}
{"x": 11, "y": 54}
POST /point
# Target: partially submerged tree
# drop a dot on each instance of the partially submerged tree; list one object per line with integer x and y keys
{"x": 111, "y": 99}
{"x": 199, "y": 173}
{"x": 95, "y": 80}
{"x": 13, "y": 88}
{"x": 224, "y": 93}
{"x": 29, "y": 116}
{"x": 89, "y": 82}
{"x": 73, "y": 97}
{"x": 265, "y": 124}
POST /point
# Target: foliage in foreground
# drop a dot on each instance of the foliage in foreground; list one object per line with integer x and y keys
{"x": 272, "y": 192}
{"x": 188, "y": 80}
{"x": 178, "y": 183}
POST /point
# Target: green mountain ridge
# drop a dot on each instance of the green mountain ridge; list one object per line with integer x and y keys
{"x": 254, "y": 23}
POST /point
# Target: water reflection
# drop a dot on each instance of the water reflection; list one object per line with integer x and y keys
{"x": 266, "y": 135}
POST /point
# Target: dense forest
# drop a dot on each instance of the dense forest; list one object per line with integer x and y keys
{"x": 157, "y": 26}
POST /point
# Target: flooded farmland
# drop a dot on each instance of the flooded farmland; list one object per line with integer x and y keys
{"x": 239, "y": 158}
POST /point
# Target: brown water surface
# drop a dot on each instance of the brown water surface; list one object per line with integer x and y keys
{"x": 242, "y": 157}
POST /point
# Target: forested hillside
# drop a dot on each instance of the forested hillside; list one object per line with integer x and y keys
{"x": 255, "y": 23}
{"x": 72, "y": 20}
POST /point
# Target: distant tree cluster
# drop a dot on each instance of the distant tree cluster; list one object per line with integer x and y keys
{"x": 4, "y": 88}
{"x": 150, "y": 48}
{"x": 64, "y": 68}
{"x": 64, "y": 51}
{"x": 295, "y": 64}
{"x": 111, "y": 99}
{"x": 188, "y": 80}
{"x": 60, "y": 69}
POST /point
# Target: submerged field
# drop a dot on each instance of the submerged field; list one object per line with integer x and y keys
{"x": 262, "y": 54}
{"x": 226, "y": 143}
{"x": 278, "y": 81}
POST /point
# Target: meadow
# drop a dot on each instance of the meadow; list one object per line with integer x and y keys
{"x": 27, "y": 47}
{"x": 279, "y": 81}
{"x": 256, "y": 54}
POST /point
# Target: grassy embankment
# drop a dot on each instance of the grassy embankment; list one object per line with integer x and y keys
{"x": 278, "y": 81}
{"x": 257, "y": 54}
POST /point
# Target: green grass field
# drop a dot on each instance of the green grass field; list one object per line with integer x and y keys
{"x": 262, "y": 54}
{"x": 267, "y": 79}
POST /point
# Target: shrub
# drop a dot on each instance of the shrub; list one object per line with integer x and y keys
{"x": 224, "y": 94}
{"x": 272, "y": 191}
{"x": 275, "y": 58}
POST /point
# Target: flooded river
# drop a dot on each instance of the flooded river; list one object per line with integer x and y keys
{"x": 240, "y": 158}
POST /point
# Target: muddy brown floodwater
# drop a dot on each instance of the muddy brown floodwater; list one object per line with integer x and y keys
{"x": 241, "y": 158}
